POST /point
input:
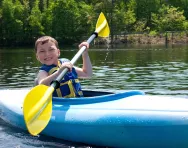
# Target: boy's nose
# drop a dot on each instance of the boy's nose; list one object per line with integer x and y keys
{"x": 47, "y": 52}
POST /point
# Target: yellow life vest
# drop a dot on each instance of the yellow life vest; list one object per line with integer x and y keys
{"x": 70, "y": 86}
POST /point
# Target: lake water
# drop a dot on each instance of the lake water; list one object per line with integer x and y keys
{"x": 154, "y": 70}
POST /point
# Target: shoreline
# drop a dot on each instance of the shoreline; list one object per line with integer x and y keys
{"x": 163, "y": 39}
{"x": 145, "y": 39}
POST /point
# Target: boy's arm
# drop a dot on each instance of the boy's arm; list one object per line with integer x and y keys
{"x": 86, "y": 70}
{"x": 44, "y": 78}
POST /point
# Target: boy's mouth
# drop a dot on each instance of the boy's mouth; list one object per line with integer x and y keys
{"x": 48, "y": 59}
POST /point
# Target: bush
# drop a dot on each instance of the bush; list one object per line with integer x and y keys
{"x": 153, "y": 33}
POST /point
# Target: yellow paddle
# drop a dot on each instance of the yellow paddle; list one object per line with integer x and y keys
{"x": 37, "y": 107}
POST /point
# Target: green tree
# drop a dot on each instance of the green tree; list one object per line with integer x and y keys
{"x": 168, "y": 18}
{"x": 19, "y": 18}
{"x": 26, "y": 27}
{"x": 1, "y": 27}
{"x": 86, "y": 19}
{"x": 124, "y": 15}
{"x": 35, "y": 21}
{"x": 12, "y": 25}
{"x": 143, "y": 11}
{"x": 73, "y": 12}
{"x": 47, "y": 20}
{"x": 181, "y": 4}
{"x": 7, "y": 19}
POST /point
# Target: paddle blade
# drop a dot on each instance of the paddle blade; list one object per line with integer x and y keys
{"x": 102, "y": 27}
{"x": 37, "y": 108}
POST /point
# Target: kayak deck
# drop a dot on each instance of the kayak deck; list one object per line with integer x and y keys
{"x": 124, "y": 119}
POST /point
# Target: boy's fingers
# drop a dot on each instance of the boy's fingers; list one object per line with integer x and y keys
{"x": 84, "y": 44}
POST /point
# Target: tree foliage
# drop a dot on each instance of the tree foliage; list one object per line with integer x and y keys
{"x": 22, "y": 21}
{"x": 168, "y": 18}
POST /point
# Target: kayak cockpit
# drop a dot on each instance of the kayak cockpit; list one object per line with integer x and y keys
{"x": 90, "y": 93}
{"x": 97, "y": 96}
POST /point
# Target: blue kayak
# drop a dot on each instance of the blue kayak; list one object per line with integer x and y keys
{"x": 127, "y": 119}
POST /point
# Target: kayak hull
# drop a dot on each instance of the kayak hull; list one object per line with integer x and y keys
{"x": 126, "y": 119}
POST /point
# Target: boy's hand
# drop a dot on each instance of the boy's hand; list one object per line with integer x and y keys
{"x": 66, "y": 65}
{"x": 84, "y": 44}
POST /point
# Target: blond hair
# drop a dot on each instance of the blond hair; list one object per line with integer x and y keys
{"x": 45, "y": 39}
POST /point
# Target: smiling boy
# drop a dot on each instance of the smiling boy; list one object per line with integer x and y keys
{"x": 47, "y": 53}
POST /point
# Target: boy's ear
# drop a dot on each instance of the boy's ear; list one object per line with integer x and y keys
{"x": 59, "y": 52}
{"x": 37, "y": 57}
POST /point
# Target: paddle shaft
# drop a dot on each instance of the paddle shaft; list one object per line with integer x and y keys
{"x": 73, "y": 61}
{"x": 56, "y": 83}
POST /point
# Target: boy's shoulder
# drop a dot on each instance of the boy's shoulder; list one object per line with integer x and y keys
{"x": 46, "y": 68}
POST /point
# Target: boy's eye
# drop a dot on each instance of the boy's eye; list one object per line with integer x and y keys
{"x": 51, "y": 49}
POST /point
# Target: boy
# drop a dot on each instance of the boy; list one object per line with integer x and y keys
{"x": 47, "y": 52}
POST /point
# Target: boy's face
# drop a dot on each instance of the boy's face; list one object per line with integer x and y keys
{"x": 47, "y": 53}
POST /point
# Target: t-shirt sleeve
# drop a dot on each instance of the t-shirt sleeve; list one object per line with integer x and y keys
{"x": 64, "y": 60}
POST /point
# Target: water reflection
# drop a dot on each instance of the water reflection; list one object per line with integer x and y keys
{"x": 155, "y": 71}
